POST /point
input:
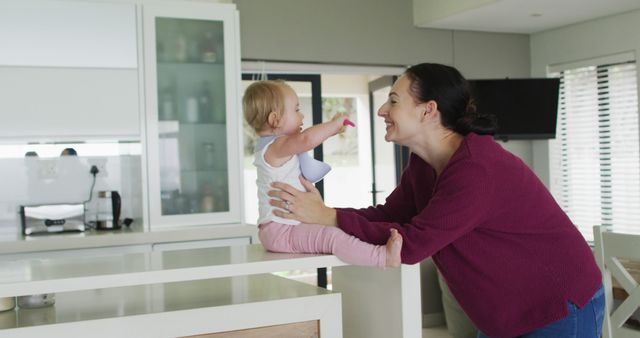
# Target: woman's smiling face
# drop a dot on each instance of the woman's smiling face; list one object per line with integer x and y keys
{"x": 401, "y": 113}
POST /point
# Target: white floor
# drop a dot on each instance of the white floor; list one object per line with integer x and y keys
{"x": 436, "y": 332}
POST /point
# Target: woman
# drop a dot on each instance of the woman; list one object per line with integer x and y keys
{"x": 509, "y": 254}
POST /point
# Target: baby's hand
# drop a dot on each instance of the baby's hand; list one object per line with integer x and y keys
{"x": 338, "y": 120}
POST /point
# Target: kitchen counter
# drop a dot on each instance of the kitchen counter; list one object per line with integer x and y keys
{"x": 13, "y": 242}
{"x": 37, "y": 276}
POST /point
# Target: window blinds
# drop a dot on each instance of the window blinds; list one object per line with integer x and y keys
{"x": 595, "y": 158}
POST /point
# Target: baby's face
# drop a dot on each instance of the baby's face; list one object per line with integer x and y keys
{"x": 291, "y": 121}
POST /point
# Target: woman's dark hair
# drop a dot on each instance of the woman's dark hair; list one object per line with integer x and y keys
{"x": 446, "y": 86}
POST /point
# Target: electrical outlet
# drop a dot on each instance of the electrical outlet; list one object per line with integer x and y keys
{"x": 48, "y": 169}
{"x": 101, "y": 164}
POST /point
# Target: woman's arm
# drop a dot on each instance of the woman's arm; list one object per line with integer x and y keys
{"x": 308, "y": 207}
{"x": 461, "y": 203}
{"x": 400, "y": 206}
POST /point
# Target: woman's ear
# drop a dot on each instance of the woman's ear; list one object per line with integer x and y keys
{"x": 432, "y": 106}
{"x": 429, "y": 108}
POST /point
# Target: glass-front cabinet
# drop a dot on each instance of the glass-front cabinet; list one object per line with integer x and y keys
{"x": 192, "y": 76}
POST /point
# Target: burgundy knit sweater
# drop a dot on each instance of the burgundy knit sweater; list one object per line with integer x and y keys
{"x": 510, "y": 255}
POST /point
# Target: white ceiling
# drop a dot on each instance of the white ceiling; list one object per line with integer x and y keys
{"x": 514, "y": 16}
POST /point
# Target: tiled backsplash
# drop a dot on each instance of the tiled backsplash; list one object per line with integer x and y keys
{"x": 33, "y": 180}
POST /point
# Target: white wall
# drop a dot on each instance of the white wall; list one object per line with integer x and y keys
{"x": 376, "y": 32}
{"x": 369, "y": 32}
{"x": 335, "y": 31}
{"x": 588, "y": 40}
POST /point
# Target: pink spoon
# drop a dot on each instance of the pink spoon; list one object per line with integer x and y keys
{"x": 348, "y": 122}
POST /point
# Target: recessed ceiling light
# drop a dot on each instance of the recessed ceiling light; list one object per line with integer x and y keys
{"x": 535, "y": 15}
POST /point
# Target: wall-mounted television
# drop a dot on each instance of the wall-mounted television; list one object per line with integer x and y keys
{"x": 524, "y": 108}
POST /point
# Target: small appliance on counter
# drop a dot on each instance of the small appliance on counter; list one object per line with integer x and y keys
{"x": 109, "y": 207}
{"x": 52, "y": 218}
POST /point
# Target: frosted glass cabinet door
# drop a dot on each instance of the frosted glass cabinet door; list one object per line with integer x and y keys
{"x": 192, "y": 67}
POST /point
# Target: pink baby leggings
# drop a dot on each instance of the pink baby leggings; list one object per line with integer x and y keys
{"x": 314, "y": 238}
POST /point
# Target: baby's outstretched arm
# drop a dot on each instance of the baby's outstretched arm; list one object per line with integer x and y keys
{"x": 288, "y": 145}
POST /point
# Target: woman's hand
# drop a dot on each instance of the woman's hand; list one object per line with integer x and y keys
{"x": 304, "y": 206}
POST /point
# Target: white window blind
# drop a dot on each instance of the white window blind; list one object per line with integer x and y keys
{"x": 595, "y": 158}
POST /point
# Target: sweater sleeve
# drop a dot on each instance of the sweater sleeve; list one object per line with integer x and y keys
{"x": 460, "y": 203}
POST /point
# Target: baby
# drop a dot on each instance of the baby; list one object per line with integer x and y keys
{"x": 272, "y": 109}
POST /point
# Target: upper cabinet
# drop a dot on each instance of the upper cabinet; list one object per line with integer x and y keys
{"x": 166, "y": 73}
{"x": 192, "y": 75}
{"x": 46, "y": 33}
{"x": 68, "y": 70}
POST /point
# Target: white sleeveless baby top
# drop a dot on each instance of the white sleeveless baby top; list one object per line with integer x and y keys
{"x": 287, "y": 173}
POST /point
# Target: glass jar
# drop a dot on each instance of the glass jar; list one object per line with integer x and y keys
{"x": 191, "y": 109}
{"x": 208, "y": 155}
{"x": 104, "y": 215}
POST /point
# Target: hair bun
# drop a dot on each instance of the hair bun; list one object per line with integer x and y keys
{"x": 472, "y": 122}
{"x": 471, "y": 107}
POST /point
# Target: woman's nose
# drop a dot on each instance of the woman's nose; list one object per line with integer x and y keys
{"x": 382, "y": 110}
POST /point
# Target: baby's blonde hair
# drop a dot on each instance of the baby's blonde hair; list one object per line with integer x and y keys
{"x": 260, "y": 99}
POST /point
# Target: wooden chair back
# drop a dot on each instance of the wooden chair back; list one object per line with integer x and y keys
{"x": 610, "y": 249}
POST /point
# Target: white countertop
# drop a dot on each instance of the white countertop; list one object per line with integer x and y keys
{"x": 12, "y": 241}
{"x": 36, "y": 276}
{"x": 178, "y": 309}
{"x": 143, "y": 299}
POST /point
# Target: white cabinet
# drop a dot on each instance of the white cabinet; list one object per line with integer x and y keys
{"x": 86, "y": 70}
{"x": 68, "y": 70}
{"x": 44, "y": 103}
{"x": 39, "y": 33}
{"x": 193, "y": 118}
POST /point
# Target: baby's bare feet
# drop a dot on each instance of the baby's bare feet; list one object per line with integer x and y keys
{"x": 394, "y": 246}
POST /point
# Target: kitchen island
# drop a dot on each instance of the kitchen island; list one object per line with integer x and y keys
{"x": 261, "y": 303}
{"x": 376, "y": 302}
